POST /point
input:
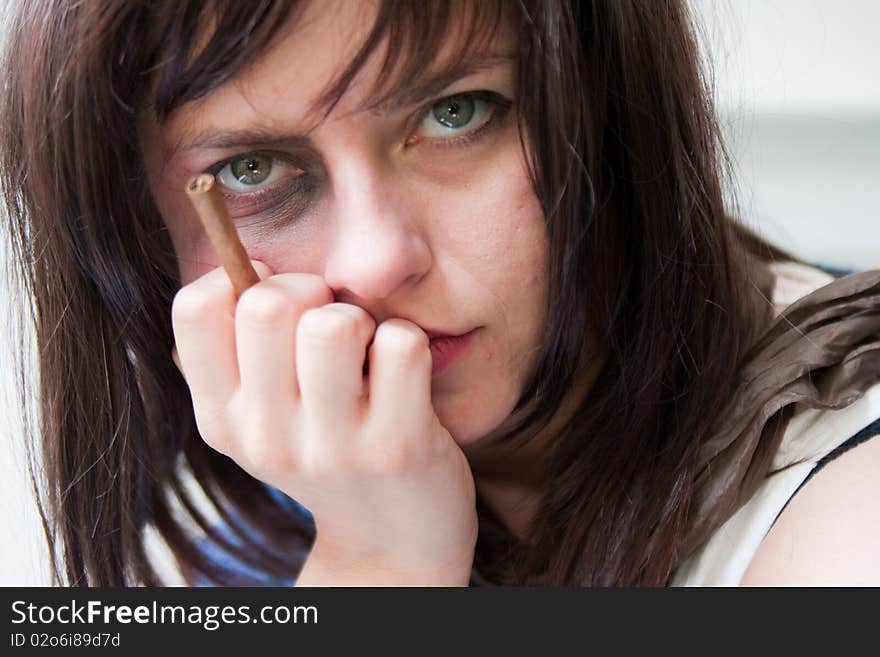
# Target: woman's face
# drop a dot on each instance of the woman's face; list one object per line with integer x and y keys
{"x": 420, "y": 208}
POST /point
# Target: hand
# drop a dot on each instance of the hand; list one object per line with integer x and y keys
{"x": 277, "y": 385}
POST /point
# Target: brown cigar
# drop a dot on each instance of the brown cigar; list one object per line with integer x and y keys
{"x": 209, "y": 205}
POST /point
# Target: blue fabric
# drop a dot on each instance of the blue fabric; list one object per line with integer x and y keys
{"x": 228, "y": 562}
{"x": 837, "y": 272}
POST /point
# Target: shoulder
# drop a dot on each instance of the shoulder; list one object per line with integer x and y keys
{"x": 829, "y": 534}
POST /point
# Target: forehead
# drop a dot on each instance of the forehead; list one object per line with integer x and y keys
{"x": 314, "y": 46}
{"x": 357, "y": 54}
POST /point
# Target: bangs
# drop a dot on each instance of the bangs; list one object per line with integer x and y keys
{"x": 421, "y": 39}
{"x": 417, "y": 39}
{"x": 197, "y": 48}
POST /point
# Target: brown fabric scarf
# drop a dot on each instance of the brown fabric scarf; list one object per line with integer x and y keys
{"x": 823, "y": 351}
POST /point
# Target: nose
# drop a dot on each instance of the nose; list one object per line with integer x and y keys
{"x": 378, "y": 246}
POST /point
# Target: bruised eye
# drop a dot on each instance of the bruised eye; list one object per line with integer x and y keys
{"x": 455, "y": 115}
{"x": 254, "y": 171}
{"x": 260, "y": 183}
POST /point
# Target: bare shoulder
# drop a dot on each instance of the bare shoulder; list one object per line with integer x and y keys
{"x": 829, "y": 534}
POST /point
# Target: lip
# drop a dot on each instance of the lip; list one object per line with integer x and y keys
{"x": 440, "y": 334}
{"x": 447, "y": 348}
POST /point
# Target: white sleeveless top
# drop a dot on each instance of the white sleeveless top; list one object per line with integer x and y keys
{"x": 811, "y": 434}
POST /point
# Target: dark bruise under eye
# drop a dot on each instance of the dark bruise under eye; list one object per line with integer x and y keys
{"x": 286, "y": 210}
{"x": 275, "y": 204}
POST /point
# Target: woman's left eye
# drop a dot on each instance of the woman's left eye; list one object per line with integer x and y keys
{"x": 455, "y": 116}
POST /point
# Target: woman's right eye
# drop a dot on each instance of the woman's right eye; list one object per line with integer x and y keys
{"x": 255, "y": 172}
{"x": 264, "y": 184}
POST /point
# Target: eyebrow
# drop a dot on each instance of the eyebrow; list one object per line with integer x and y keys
{"x": 401, "y": 96}
{"x": 212, "y": 138}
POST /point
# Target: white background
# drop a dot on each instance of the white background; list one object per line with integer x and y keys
{"x": 798, "y": 92}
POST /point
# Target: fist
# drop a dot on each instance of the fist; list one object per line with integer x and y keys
{"x": 279, "y": 384}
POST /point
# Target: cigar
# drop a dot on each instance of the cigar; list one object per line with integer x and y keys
{"x": 209, "y": 205}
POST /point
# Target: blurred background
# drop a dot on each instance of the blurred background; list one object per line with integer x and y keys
{"x": 798, "y": 94}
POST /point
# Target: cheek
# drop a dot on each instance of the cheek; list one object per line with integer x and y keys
{"x": 530, "y": 233}
{"x": 501, "y": 248}
{"x": 522, "y": 274}
{"x": 513, "y": 238}
{"x": 194, "y": 255}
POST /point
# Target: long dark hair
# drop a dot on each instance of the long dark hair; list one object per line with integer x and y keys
{"x": 625, "y": 158}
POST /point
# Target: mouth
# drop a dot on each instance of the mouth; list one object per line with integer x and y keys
{"x": 446, "y": 349}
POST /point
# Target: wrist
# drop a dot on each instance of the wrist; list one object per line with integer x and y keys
{"x": 326, "y": 566}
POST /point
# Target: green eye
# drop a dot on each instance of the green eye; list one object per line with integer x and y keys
{"x": 460, "y": 116}
{"x": 454, "y": 112}
{"x": 251, "y": 170}
{"x": 256, "y": 172}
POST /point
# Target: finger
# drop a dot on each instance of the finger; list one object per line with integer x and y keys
{"x": 331, "y": 345}
{"x": 176, "y": 358}
{"x": 400, "y": 370}
{"x": 202, "y": 316}
{"x": 265, "y": 330}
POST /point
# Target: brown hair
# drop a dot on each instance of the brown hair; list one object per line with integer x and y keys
{"x": 625, "y": 159}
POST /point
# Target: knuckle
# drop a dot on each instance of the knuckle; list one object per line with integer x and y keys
{"x": 303, "y": 290}
{"x": 404, "y": 339}
{"x": 190, "y": 306}
{"x": 248, "y": 435}
{"x": 262, "y": 438}
{"x": 263, "y": 305}
{"x": 388, "y": 452}
{"x": 355, "y": 312}
{"x": 208, "y": 294}
{"x": 323, "y": 325}
{"x": 362, "y": 323}
{"x": 264, "y": 453}
{"x": 313, "y": 290}
{"x": 389, "y": 462}
{"x": 212, "y": 428}
{"x": 319, "y": 462}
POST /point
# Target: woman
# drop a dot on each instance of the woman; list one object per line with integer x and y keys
{"x": 504, "y": 332}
